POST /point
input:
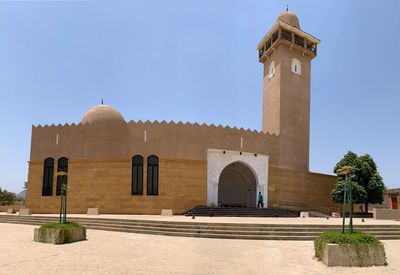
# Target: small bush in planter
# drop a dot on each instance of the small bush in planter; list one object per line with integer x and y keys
{"x": 361, "y": 249}
{"x": 59, "y": 233}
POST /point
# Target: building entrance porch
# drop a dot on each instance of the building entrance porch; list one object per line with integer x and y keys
{"x": 237, "y": 186}
{"x": 234, "y": 178}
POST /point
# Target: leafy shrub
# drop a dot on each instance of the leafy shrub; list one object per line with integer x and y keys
{"x": 57, "y": 225}
{"x": 359, "y": 239}
{"x": 6, "y": 198}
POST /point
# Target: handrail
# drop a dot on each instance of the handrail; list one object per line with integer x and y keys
{"x": 307, "y": 206}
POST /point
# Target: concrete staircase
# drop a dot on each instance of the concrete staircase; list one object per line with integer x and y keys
{"x": 204, "y": 211}
{"x": 211, "y": 230}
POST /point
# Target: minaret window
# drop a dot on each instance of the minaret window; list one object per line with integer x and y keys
{"x": 296, "y": 66}
{"x": 271, "y": 69}
{"x": 299, "y": 40}
{"x": 274, "y": 37}
{"x": 287, "y": 35}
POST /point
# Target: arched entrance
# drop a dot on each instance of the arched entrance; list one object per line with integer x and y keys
{"x": 219, "y": 159}
{"x": 237, "y": 186}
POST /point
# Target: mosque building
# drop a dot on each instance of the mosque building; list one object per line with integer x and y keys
{"x": 143, "y": 167}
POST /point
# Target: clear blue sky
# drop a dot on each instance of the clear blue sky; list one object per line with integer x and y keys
{"x": 187, "y": 60}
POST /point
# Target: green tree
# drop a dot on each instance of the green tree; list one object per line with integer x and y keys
{"x": 359, "y": 193}
{"x": 368, "y": 185}
{"x": 375, "y": 189}
{"x": 7, "y": 198}
{"x": 349, "y": 159}
{"x": 370, "y": 179}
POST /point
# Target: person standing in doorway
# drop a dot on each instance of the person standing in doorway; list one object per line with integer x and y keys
{"x": 260, "y": 200}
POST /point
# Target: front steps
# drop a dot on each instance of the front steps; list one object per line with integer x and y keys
{"x": 300, "y": 232}
{"x": 241, "y": 212}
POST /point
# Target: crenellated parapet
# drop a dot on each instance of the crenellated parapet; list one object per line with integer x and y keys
{"x": 162, "y": 123}
{"x": 196, "y": 125}
{"x": 183, "y": 140}
{"x": 59, "y": 125}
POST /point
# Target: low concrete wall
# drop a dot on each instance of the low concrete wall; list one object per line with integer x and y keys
{"x": 59, "y": 236}
{"x": 166, "y": 212}
{"x": 93, "y": 211}
{"x": 304, "y": 214}
{"x": 354, "y": 255}
{"x": 11, "y": 211}
{"x": 25, "y": 212}
{"x": 386, "y": 214}
{"x": 4, "y": 208}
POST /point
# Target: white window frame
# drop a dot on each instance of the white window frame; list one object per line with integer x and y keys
{"x": 296, "y": 66}
{"x": 271, "y": 69}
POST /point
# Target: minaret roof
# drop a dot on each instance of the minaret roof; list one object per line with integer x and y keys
{"x": 281, "y": 24}
{"x": 289, "y": 18}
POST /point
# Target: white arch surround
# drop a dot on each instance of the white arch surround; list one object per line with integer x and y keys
{"x": 217, "y": 160}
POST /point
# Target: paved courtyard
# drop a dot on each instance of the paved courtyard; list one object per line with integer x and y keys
{"x": 125, "y": 253}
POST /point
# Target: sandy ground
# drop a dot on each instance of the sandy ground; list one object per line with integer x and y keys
{"x": 181, "y": 218}
{"x": 125, "y": 253}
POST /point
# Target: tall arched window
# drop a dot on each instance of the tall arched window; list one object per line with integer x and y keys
{"x": 62, "y": 166}
{"x": 47, "y": 188}
{"x": 152, "y": 175}
{"x": 137, "y": 175}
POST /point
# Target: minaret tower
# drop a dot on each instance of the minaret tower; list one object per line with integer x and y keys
{"x": 286, "y": 52}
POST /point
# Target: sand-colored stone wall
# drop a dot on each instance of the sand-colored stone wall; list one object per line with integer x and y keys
{"x": 106, "y": 184}
{"x": 300, "y": 187}
{"x": 4, "y": 208}
{"x": 167, "y": 140}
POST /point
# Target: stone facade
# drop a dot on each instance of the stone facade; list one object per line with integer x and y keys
{"x": 302, "y": 187}
{"x": 100, "y": 148}
{"x": 106, "y": 184}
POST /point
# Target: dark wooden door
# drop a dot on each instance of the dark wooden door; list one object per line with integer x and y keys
{"x": 394, "y": 202}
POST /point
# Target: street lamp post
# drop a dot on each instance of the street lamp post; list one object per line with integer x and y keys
{"x": 352, "y": 176}
{"x": 348, "y": 173}
{"x": 61, "y": 206}
{"x": 344, "y": 205}
{"x": 63, "y": 203}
